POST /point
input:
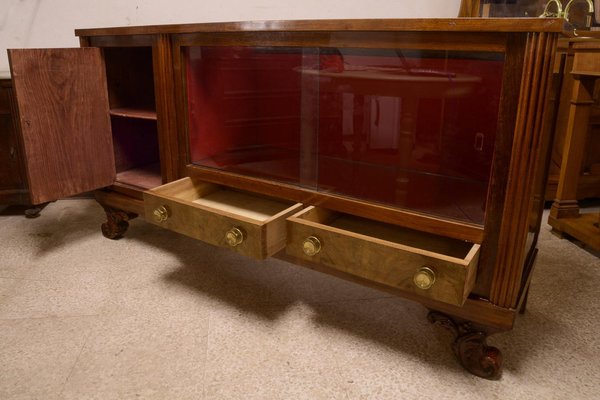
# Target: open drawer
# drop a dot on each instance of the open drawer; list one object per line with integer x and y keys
{"x": 250, "y": 224}
{"x": 432, "y": 266}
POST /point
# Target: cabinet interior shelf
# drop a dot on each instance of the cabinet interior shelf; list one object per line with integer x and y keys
{"x": 145, "y": 177}
{"x": 129, "y": 112}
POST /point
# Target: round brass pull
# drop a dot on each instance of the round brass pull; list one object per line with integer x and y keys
{"x": 234, "y": 236}
{"x": 424, "y": 278}
{"x": 160, "y": 214}
{"x": 311, "y": 246}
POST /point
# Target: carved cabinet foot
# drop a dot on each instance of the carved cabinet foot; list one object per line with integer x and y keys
{"x": 116, "y": 223}
{"x": 470, "y": 347}
{"x": 34, "y": 211}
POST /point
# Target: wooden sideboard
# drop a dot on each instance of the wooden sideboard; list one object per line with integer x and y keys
{"x": 405, "y": 155}
{"x": 578, "y": 170}
{"x": 588, "y": 181}
{"x": 13, "y": 189}
{"x": 13, "y": 182}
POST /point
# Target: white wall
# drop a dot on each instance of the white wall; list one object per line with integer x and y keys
{"x": 50, "y": 23}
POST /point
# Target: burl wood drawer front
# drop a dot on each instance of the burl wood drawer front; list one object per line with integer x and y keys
{"x": 250, "y": 224}
{"x": 428, "y": 265}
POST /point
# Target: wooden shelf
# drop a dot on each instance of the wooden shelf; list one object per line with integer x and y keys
{"x": 139, "y": 113}
{"x": 144, "y": 177}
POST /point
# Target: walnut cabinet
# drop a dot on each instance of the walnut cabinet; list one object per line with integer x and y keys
{"x": 13, "y": 189}
{"x": 406, "y": 155}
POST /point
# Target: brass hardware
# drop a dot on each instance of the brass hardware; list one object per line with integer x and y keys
{"x": 424, "y": 278}
{"x": 12, "y": 152}
{"x": 311, "y": 246}
{"x": 548, "y": 14}
{"x": 478, "y": 145}
{"x": 560, "y": 13}
{"x": 588, "y": 21}
{"x": 160, "y": 214}
{"x": 234, "y": 236}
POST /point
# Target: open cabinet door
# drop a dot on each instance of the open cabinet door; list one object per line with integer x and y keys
{"x": 62, "y": 101}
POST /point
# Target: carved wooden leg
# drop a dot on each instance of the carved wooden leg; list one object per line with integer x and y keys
{"x": 35, "y": 211}
{"x": 470, "y": 347}
{"x": 116, "y": 222}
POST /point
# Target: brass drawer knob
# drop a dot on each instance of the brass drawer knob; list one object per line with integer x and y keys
{"x": 424, "y": 278}
{"x": 234, "y": 236}
{"x": 311, "y": 246}
{"x": 160, "y": 214}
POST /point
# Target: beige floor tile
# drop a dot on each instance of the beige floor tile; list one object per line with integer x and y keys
{"x": 37, "y": 355}
{"x": 145, "y": 355}
{"x": 60, "y": 227}
{"x": 7, "y": 287}
{"x": 19, "y": 243}
{"x": 296, "y": 283}
{"x": 77, "y": 295}
{"x": 382, "y": 347}
{"x": 193, "y": 280}
{"x": 277, "y": 331}
{"x": 250, "y": 357}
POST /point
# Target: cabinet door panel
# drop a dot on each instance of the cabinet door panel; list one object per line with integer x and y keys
{"x": 63, "y": 112}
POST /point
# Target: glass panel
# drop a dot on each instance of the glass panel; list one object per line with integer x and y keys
{"x": 246, "y": 111}
{"x": 410, "y": 129}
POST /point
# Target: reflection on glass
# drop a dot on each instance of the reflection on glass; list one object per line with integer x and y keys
{"x": 579, "y": 13}
{"x": 410, "y": 129}
{"x": 514, "y": 8}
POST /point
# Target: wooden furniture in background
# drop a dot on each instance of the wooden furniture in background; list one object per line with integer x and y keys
{"x": 469, "y": 8}
{"x": 13, "y": 184}
{"x": 580, "y": 13}
{"x": 244, "y": 140}
{"x": 574, "y": 168}
{"x": 588, "y": 181}
{"x": 565, "y": 216}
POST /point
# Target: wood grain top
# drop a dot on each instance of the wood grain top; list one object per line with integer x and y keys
{"x": 442, "y": 25}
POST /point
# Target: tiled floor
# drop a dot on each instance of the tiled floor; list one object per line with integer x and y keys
{"x": 161, "y": 316}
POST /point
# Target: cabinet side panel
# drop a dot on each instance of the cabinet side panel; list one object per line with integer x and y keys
{"x": 63, "y": 113}
{"x": 525, "y": 158}
{"x": 512, "y": 77}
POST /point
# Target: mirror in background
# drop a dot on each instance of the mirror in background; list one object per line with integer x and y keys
{"x": 582, "y": 14}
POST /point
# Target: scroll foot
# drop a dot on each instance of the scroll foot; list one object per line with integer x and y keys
{"x": 35, "y": 211}
{"x": 116, "y": 223}
{"x": 470, "y": 347}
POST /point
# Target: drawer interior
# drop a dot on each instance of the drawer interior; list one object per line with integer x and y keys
{"x": 248, "y": 205}
{"x": 227, "y": 201}
{"x": 404, "y": 237}
{"x": 250, "y": 224}
{"x": 423, "y": 264}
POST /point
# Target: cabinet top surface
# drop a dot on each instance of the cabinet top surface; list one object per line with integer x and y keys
{"x": 433, "y": 25}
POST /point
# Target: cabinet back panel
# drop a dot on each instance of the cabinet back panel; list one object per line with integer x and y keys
{"x": 130, "y": 77}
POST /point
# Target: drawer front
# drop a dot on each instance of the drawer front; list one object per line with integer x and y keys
{"x": 425, "y": 273}
{"x": 257, "y": 239}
